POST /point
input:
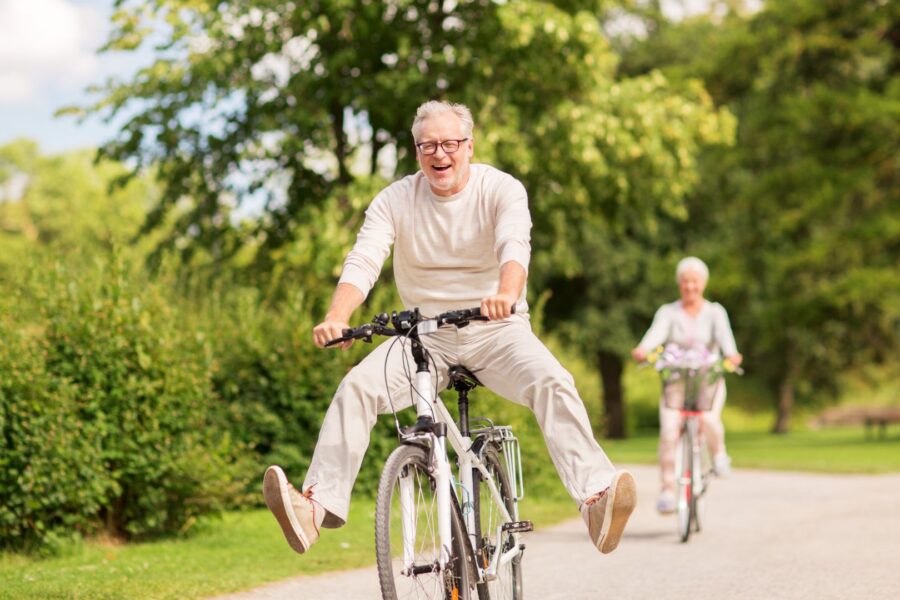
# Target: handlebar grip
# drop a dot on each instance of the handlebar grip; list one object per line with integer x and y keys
{"x": 476, "y": 312}
{"x": 346, "y": 334}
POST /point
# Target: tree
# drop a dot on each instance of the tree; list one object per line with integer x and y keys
{"x": 610, "y": 189}
{"x": 63, "y": 203}
{"x": 303, "y": 103}
{"x": 807, "y": 218}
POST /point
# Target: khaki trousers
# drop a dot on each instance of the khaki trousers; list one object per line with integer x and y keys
{"x": 670, "y": 422}
{"x": 507, "y": 358}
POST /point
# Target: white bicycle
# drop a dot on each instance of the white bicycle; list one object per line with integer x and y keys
{"x": 438, "y": 534}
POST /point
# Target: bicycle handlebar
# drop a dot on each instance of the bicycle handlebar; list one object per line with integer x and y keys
{"x": 406, "y": 321}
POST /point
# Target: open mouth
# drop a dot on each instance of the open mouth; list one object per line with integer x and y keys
{"x": 441, "y": 169}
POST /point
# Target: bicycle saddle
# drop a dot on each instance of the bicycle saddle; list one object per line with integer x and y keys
{"x": 462, "y": 379}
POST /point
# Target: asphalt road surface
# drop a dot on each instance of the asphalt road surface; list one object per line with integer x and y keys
{"x": 766, "y": 535}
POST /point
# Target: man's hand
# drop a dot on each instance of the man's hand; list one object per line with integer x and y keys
{"x": 498, "y": 306}
{"x": 512, "y": 282}
{"x": 330, "y": 330}
{"x": 347, "y": 298}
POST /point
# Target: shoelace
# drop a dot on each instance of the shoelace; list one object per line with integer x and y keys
{"x": 596, "y": 498}
{"x": 308, "y": 494}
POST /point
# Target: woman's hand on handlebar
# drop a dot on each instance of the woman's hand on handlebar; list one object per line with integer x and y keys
{"x": 498, "y": 306}
{"x": 735, "y": 359}
{"x": 639, "y": 354}
{"x": 329, "y": 330}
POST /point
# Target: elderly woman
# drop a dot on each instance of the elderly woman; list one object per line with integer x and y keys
{"x": 691, "y": 322}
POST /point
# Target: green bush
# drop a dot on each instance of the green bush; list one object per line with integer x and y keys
{"x": 109, "y": 415}
{"x": 52, "y": 480}
{"x": 276, "y": 384}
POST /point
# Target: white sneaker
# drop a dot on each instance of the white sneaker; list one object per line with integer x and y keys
{"x": 666, "y": 503}
{"x": 722, "y": 465}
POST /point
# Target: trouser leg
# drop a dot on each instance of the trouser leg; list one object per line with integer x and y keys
{"x": 346, "y": 428}
{"x": 669, "y": 429}
{"x": 514, "y": 363}
{"x": 712, "y": 423}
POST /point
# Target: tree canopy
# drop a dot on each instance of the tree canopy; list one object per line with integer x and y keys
{"x": 803, "y": 215}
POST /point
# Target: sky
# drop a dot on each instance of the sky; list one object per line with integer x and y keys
{"x": 48, "y": 57}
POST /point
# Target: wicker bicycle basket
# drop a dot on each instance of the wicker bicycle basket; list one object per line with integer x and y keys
{"x": 691, "y": 389}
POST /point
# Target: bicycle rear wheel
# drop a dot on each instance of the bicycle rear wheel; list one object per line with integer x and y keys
{"x": 406, "y": 521}
{"x": 507, "y": 585}
{"x": 685, "y": 504}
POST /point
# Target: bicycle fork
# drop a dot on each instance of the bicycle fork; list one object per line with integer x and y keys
{"x": 428, "y": 426}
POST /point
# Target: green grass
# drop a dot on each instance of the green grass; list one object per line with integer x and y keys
{"x": 844, "y": 450}
{"x": 240, "y": 551}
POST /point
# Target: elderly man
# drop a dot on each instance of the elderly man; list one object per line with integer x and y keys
{"x": 461, "y": 237}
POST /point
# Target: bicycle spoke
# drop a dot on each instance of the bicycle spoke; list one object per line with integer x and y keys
{"x": 407, "y": 542}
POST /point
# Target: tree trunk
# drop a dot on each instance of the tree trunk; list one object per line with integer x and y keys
{"x": 611, "y": 375}
{"x": 340, "y": 143}
{"x": 785, "y": 406}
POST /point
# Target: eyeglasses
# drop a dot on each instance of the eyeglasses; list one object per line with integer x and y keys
{"x": 448, "y": 146}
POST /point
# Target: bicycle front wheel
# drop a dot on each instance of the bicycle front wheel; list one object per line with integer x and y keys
{"x": 507, "y": 583}
{"x": 407, "y": 544}
{"x": 684, "y": 483}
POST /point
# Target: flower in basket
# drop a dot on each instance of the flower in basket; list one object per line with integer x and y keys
{"x": 673, "y": 359}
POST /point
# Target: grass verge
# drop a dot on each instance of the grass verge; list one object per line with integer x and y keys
{"x": 245, "y": 549}
{"x": 239, "y": 551}
{"x": 845, "y": 450}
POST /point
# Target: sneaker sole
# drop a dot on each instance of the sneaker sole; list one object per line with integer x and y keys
{"x": 622, "y": 497}
{"x": 275, "y": 491}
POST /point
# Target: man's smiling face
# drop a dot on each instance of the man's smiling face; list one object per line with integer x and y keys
{"x": 447, "y": 173}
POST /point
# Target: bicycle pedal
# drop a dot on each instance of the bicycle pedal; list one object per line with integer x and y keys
{"x": 518, "y": 526}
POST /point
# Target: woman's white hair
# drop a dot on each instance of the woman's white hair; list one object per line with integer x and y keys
{"x": 433, "y": 108}
{"x": 691, "y": 263}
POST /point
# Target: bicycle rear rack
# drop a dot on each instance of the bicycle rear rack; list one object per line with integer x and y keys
{"x": 512, "y": 454}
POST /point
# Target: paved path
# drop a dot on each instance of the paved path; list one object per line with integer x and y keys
{"x": 766, "y": 536}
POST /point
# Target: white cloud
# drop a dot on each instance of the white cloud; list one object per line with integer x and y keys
{"x": 45, "y": 44}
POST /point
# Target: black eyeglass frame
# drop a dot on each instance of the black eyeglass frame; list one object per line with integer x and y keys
{"x": 441, "y": 144}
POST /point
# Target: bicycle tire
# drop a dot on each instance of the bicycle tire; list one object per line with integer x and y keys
{"x": 508, "y": 585}
{"x": 685, "y": 504}
{"x": 456, "y": 582}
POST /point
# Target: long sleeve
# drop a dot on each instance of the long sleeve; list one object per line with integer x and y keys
{"x": 724, "y": 335}
{"x": 512, "y": 232}
{"x": 373, "y": 245}
{"x": 660, "y": 329}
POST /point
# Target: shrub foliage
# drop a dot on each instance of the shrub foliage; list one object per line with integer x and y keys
{"x": 108, "y": 419}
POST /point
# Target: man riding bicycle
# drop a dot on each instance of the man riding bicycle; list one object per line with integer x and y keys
{"x": 461, "y": 237}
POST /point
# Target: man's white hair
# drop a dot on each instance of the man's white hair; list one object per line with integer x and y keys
{"x": 433, "y": 108}
{"x": 692, "y": 263}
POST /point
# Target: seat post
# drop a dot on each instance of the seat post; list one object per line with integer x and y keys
{"x": 463, "y": 401}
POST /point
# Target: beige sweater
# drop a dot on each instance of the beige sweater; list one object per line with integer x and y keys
{"x": 447, "y": 250}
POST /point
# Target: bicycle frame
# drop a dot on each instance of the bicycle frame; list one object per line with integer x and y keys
{"x": 434, "y": 426}
{"x": 430, "y": 407}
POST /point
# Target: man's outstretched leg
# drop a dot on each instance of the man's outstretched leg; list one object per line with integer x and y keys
{"x": 522, "y": 369}
{"x": 343, "y": 439}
